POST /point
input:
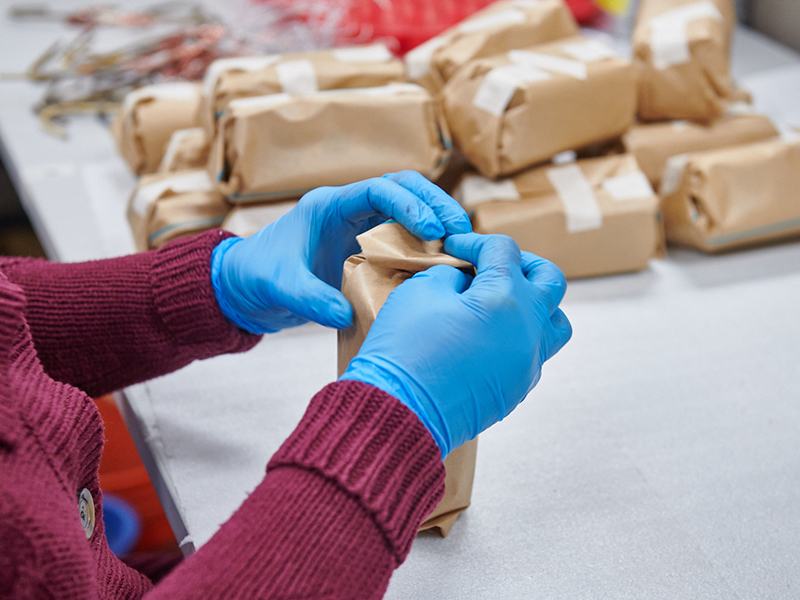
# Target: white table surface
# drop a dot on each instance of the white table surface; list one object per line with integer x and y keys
{"x": 658, "y": 457}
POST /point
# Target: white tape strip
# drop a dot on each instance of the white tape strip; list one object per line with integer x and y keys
{"x": 374, "y": 53}
{"x": 680, "y": 125}
{"x": 493, "y": 20}
{"x": 237, "y": 63}
{"x": 575, "y": 192}
{"x": 498, "y": 86}
{"x": 672, "y": 175}
{"x": 178, "y": 90}
{"x": 418, "y": 61}
{"x": 297, "y": 77}
{"x": 247, "y": 220}
{"x": 588, "y": 51}
{"x": 739, "y": 109}
{"x": 192, "y": 181}
{"x": 476, "y": 189}
{"x": 669, "y": 42}
{"x": 548, "y": 62}
{"x": 630, "y": 186}
{"x": 176, "y": 139}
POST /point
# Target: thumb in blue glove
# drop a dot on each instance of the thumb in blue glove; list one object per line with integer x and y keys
{"x": 463, "y": 352}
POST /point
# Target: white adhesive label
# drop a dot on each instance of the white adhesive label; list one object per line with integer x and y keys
{"x": 177, "y": 90}
{"x": 498, "y": 86}
{"x": 669, "y": 42}
{"x": 176, "y": 139}
{"x": 672, "y": 175}
{"x": 374, "y": 53}
{"x": 575, "y": 192}
{"x": 244, "y": 221}
{"x": 476, "y": 189}
{"x": 588, "y": 51}
{"x": 237, "y": 63}
{"x": 493, "y": 20}
{"x": 630, "y": 186}
{"x": 297, "y": 77}
{"x": 547, "y": 62}
{"x": 418, "y": 60}
{"x": 191, "y": 181}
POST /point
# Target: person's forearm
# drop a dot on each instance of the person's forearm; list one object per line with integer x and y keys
{"x": 102, "y": 325}
{"x": 336, "y": 513}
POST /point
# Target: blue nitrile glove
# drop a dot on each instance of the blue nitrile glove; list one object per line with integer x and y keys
{"x": 290, "y": 272}
{"x": 462, "y": 353}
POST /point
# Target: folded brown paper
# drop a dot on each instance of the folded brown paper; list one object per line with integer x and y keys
{"x": 736, "y": 197}
{"x": 513, "y": 110}
{"x": 502, "y": 26}
{"x": 147, "y": 119}
{"x": 246, "y": 220}
{"x": 654, "y": 144}
{"x": 682, "y": 50}
{"x": 592, "y": 217}
{"x": 296, "y": 73}
{"x": 166, "y": 206}
{"x": 187, "y": 149}
{"x": 390, "y": 255}
{"x": 280, "y": 146}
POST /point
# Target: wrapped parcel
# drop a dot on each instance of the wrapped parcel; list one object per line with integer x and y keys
{"x": 390, "y": 255}
{"x": 296, "y": 73}
{"x": 591, "y": 217}
{"x": 516, "y": 109}
{"x": 280, "y": 146}
{"x": 187, "y": 149}
{"x": 736, "y": 197}
{"x": 682, "y": 48}
{"x": 502, "y": 26}
{"x": 248, "y": 219}
{"x": 654, "y": 144}
{"x": 166, "y": 206}
{"x": 147, "y": 119}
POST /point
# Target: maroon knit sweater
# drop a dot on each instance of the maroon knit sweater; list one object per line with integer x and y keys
{"x": 333, "y": 517}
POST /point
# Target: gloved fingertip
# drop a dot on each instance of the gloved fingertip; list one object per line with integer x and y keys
{"x": 433, "y": 230}
{"x": 342, "y": 315}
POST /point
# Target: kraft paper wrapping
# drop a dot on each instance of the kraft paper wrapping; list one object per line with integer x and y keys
{"x": 187, "y": 149}
{"x": 166, "y": 206}
{"x": 147, "y": 119}
{"x": 682, "y": 51}
{"x": 592, "y": 217}
{"x": 502, "y": 26}
{"x": 354, "y": 67}
{"x": 513, "y": 110}
{"x": 247, "y": 220}
{"x": 653, "y": 144}
{"x": 280, "y": 146}
{"x": 390, "y": 255}
{"x": 736, "y": 197}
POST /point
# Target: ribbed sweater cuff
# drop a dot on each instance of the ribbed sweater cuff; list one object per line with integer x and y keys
{"x": 184, "y": 297}
{"x": 376, "y": 449}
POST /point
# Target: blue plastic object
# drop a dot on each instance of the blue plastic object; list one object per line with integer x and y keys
{"x": 290, "y": 272}
{"x": 123, "y": 525}
{"x": 463, "y": 352}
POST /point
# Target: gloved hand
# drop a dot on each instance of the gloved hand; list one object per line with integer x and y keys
{"x": 290, "y": 272}
{"x": 462, "y": 353}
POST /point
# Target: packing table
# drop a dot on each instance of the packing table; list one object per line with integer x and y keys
{"x": 657, "y": 458}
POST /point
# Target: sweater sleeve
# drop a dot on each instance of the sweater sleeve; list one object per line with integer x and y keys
{"x": 103, "y": 325}
{"x": 336, "y": 513}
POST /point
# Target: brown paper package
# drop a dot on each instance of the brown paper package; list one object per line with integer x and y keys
{"x": 390, "y": 255}
{"x": 626, "y": 234}
{"x": 357, "y": 67}
{"x": 280, "y": 146}
{"x": 653, "y": 144}
{"x": 246, "y": 220}
{"x": 502, "y": 26}
{"x": 147, "y": 119}
{"x": 543, "y": 116}
{"x": 697, "y": 86}
{"x": 166, "y": 206}
{"x": 187, "y": 149}
{"x": 736, "y": 197}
